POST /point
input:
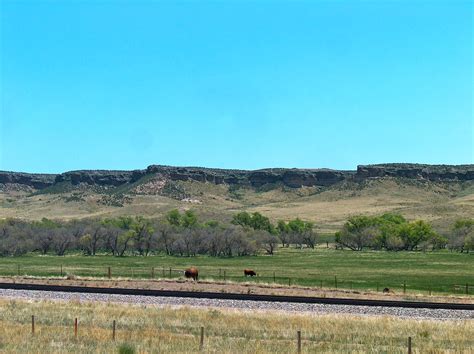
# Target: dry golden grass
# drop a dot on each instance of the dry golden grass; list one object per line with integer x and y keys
{"x": 153, "y": 329}
{"x": 431, "y": 201}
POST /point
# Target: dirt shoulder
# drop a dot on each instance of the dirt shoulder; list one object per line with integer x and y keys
{"x": 229, "y": 287}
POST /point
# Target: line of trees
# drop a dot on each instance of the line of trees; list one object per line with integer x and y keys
{"x": 393, "y": 232}
{"x": 177, "y": 233}
{"x": 182, "y": 234}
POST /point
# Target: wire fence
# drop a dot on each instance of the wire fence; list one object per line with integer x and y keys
{"x": 301, "y": 340}
{"x": 321, "y": 281}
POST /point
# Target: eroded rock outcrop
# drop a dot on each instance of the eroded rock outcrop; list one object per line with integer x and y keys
{"x": 294, "y": 178}
{"x": 34, "y": 180}
{"x": 418, "y": 171}
{"x": 100, "y": 177}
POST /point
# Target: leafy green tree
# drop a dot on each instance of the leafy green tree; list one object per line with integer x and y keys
{"x": 255, "y": 221}
{"x": 243, "y": 219}
{"x": 260, "y": 222}
{"x": 296, "y": 231}
{"x": 299, "y": 226}
{"x": 388, "y": 237}
{"x": 358, "y": 233}
{"x": 469, "y": 242}
{"x": 462, "y": 233}
{"x": 284, "y": 233}
{"x": 173, "y": 217}
{"x": 143, "y": 234}
{"x": 186, "y": 220}
{"x": 212, "y": 224}
{"x": 46, "y": 223}
{"x": 282, "y": 226}
{"x": 414, "y": 233}
{"x": 189, "y": 219}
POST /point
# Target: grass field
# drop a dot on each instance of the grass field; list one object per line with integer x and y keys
{"x": 439, "y": 203}
{"x": 438, "y": 271}
{"x": 144, "y": 329}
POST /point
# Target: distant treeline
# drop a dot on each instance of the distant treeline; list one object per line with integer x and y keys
{"x": 182, "y": 234}
{"x": 178, "y": 234}
{"x": 393, "y": 232}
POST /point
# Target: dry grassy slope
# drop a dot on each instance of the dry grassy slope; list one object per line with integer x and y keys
{"x": 146, "y": 329}
{"x": 329, "y": 207}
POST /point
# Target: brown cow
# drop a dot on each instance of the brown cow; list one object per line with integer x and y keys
{"x": 249, "y": 273}
{"x": 191, "y": 273}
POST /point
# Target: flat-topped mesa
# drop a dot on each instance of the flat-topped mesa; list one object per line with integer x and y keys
{"x": 297, "y": 178}
{"x": 290, "y": 177}
{"x": 35, "y": 180}
{"x": 417, "y": 171}
{"x": 294, "y": 178}
{"x": 200, "y": 174}
{"x": 100, "y": 177}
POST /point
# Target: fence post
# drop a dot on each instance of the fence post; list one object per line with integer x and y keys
{"x": 299, "y": 341}
{"x": 113, "y": 330}
{"x": 152, "y": 272}
{"x": 404, "y": 287}
{"x": 224, "y": 275}
{"x": 321, "y": 285}
{"x": 75, "y": 327}
{"x": 201, "y": 342}
{"x": 109, "y": 272}
{"x": 164, "y": 272}
{"x": 409, "y": 345}
{"x": 170, "y": 272}
{"x": 220, "y": 273}
{"x": 33, "y": 324}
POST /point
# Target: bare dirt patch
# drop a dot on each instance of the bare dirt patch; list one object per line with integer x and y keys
{"x": 229, "y": 287}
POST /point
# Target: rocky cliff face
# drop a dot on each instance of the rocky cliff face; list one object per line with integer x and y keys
{"x": 294, "y": 178}
{"x": 418, "y": 171}
{"x": 34, "y": 180}
{"x": 100, "y": 177}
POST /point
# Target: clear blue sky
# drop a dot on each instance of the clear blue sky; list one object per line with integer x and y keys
{"x": 235, "y": 84}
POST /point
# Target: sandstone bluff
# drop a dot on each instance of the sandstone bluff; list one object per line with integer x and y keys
{"x": 294, "y": 178}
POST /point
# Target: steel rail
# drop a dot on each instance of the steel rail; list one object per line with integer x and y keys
{"x": 241, "y": 297}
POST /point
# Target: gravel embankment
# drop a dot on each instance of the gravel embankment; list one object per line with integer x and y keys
{"x": 243, "y": 305}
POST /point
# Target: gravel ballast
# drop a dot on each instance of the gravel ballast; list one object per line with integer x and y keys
{"x": 439, "y": 314}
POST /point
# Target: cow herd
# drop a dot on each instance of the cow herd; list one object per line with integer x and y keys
{"x": 193, "y": 273}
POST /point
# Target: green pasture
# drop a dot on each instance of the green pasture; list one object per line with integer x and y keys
{"x": 438, "y": 272}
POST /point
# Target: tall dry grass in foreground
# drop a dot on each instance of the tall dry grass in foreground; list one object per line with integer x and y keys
{"x": 152, "y": 329}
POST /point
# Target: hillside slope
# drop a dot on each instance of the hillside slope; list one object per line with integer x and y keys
{"x": 437, "y": 193}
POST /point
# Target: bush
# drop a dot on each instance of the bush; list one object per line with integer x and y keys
{"x": 126, "y": 348}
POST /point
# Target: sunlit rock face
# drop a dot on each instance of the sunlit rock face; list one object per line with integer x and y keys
{"x": 293, "y": 178}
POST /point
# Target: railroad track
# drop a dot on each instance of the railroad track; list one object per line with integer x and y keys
{"x": 235, "y": 296}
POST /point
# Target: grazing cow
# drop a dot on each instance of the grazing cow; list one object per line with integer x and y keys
{"x": 191, "y": 273}
{"x": 386, "y": 290}
{"x": 249, "y": 273}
